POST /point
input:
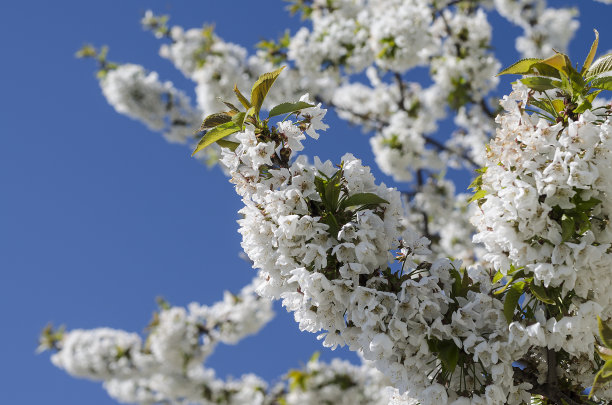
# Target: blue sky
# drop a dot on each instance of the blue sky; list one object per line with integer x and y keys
{"x": 98, "y": 215}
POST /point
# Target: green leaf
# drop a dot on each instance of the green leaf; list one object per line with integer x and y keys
{"x": 515, "y": 276}
{"x": 297, "y": 379}
{"x": 224, "y": 143}
{"x": 362, "y": 199}
{"x": 578, "y": 82}
{"x": 286, "y": 108}
{"x": 449, "y": 354}
{"x": 605, "y": 333}
{"x": 315, "y": 357}
{"x": 238, "y": 119}
{"x": 531, "y": 67}
{"x": 587, "y": 205}
{"x": 583, "y": 106}
{"x": 522, "y": 67}
{"x": 250, "y": 113}
{"x": 330, "y": 220}
{"x": 559, "y": 61}
{"x": 86, "y": 51}
{"x": 540, "y": 83}
{"x": 243, "y": 100}
{"x": 215, "y": 134}
{"x": 477, "y": 195}
{"x": 332, "y": 194}
{"x": 582, "y": 222}
{"x": 545, "y": 105}
{"x": 601, "y": 65}
{"x": 456, "y": 287}
{"x": 231, "y": 106}
{"x": 591, "y": 96}
{"x": 432, "y": 344}
{"x": 214, "y": 120}
{"x": 604, "y": 83}
{"x": 565, "y": 84}
{"x": 320, "y": 187}
{"x": 603, "y": 377}
{"x": 568, "y": 226}
{"x": 512, "y": 299}
{"x": 477, "y": 182}
{"x": 558, "y": 105}
{"x": 540, "y": 293}
{"x": 542, "y": 69}
{"x": 261, "y": 87}
{"x": 465, "y": 283}
{"x": 591, "y": 56}
{"x": 497, "y": 277}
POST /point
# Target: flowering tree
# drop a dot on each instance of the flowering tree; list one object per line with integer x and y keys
{"x": 490, "y": 299}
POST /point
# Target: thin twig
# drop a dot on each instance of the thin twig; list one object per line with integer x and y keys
{"x": 420, "y": 184}
{"x": 379, "y": 123}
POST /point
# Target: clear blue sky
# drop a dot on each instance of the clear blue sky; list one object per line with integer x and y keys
{"x": 98, "y": 216}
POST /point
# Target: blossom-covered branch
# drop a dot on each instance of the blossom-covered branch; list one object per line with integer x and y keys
{"x": 168, "y": 366}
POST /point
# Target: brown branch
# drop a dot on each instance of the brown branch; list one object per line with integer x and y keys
{"x": 420, "y": 184}
{"x": 551, "y": 362}
{"x": 550, "y": 389}
{"x": 486, "y": 109}
{"x": 402, "y": 91}
{"x": 379, "y": 123}
{"x": 440, "y": 146}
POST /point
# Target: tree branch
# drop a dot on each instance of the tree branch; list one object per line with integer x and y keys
{"x": 550, "y": 389}
{"x": 420, "y": 184}
{"x": 379, "y": 123}
{"x": 402, "y": 91}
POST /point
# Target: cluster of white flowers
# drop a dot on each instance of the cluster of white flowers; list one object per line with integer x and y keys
{"x": 544, "y": 28}
{"x": 351, "y": 35}
{"x": 363, "y": 264}
{"x": 336, "y": 39}
{"x": 337, "y": 280}
{"x": 338, "y": 382}
{"x": 399, "y": 148}
{"x": 139, "y": 94}
{"x": 167, "y": 366}
{"x": 348, "y": 36}
{"x": 387, "y": 39}
{"x": 453, "y": 42}
{"x": 465, "y": 67}
{"x": 546, "y": 210}
{"x": 216, "y": 66}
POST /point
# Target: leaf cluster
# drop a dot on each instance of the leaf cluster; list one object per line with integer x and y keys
{"x": 452, "y": 357}
{"x": 50, "y": 338}
{"x": 223, "y": 124}
{"x": 518, "y": 282}
{"x": 476, "y": 185}
{"x": 275, "y": 51}
{"x": 574, "y": 221}
{"x": 337, "y": 208}
{"x": 307, "y": 7}
{"x": 158, "y": 24}
{"x": 90, "y": 51}
{"x": 565, "y": 91}
{"x": 206, "y": 46}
